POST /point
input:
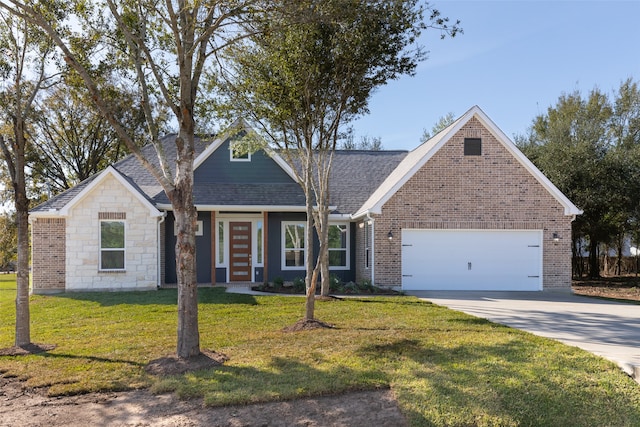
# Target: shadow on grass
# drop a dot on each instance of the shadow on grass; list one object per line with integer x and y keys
{"x": 506, "y": 383}
{"x": 281, "y": 379}
{"x": 159, "y": 297}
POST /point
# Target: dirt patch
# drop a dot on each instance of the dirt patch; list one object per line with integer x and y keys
{"x": 174, "y": 365}
{"x": 622, "y": 288}
{"x": 26, "y": 349}
{"x": 22, "y": 407}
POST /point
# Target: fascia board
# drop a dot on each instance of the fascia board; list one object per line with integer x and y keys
{"x": 569, "y": 208}
{"x": 241, "y": 208}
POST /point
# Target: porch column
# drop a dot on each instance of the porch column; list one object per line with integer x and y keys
{"x": 265, "y": 245}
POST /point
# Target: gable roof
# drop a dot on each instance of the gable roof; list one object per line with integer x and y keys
{"x": 67, "y": 200}
{"x": 419, "y": 156}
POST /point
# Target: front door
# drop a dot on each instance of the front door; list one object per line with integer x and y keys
{"x": 240, "y": 251}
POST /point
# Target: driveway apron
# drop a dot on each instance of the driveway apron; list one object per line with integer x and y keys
{"x": 605, "y": 328}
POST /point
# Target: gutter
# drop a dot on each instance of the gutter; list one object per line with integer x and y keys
{"x": 373, "y": 248}
{"x": 158, "y": 252}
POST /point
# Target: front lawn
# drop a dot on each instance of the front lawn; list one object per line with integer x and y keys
{"x": 446, "y": 368}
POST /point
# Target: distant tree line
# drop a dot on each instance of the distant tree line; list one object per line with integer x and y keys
{"x": 589, "y": 147}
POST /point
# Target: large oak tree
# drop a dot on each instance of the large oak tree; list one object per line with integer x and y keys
{"x": 163, "y": 48}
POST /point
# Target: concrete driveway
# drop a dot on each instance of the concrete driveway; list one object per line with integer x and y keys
{"x": 608, "y": 329}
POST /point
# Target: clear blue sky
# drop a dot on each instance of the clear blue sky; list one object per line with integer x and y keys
{"x": 514, "y": 60}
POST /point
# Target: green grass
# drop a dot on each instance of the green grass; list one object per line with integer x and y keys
{"x": 446, "y": 368}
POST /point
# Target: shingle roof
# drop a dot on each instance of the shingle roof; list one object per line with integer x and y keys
{"x": 355, "y": 176}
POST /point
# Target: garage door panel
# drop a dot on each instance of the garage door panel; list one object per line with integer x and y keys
{"x": 471, "y": 260}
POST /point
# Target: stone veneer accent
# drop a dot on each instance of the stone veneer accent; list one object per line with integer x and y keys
{"x": 48, "y": 267}
{"x": 491, "y": 191}
{"x": 111, "y": 200}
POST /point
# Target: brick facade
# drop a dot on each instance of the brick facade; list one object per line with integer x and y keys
{"x": 491, "y": 191}
{"x": 48, "y": 255}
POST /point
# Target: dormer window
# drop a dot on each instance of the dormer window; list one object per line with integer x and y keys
{"x": 237, "y": 155}
{"x": 472, "y": 147}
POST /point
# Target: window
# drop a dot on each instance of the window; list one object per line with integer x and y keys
{"x": 293, "y": 245}
{"x": 112, "y": 245}
{"x": 238, "y": 153}
{"x": 220, "y": 243}
{"x": 339, "y": 245}
{"x": 258, "y": 228}
{"x": 472, "y": 146}
{"x": 367, "y": 244}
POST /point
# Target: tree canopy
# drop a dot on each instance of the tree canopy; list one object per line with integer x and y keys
{"x": 589, "y": 146}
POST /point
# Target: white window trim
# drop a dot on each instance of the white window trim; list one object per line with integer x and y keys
{"x": 225, "y": 220}
{"x": 225, "y": 246}
{"x": 101, "y": 249}
{"x": 346, "y": 249}
{"x": 254, "y": 243}
{"x": 283, "y": 249}
{"x": 238, "y": 159}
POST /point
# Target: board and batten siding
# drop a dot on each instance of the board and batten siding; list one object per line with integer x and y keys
{"x": 218, "y": 168}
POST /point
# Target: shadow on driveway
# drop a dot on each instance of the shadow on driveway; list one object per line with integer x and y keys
{"x": 608, "y": 329}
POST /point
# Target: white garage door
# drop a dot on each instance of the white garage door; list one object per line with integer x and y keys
{"x": 472, "y": 260}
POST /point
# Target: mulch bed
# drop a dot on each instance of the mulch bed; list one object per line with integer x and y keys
{"x": 622, "y": 288}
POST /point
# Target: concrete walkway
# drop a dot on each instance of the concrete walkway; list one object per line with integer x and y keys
{"x": 608, "y": 329}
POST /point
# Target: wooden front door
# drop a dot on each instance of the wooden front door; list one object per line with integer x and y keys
{"x": 240, "y": 251}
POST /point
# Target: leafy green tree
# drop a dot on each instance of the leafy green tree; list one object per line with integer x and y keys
{"x": 588, "y": 147}
{"x": 73, "y": 141}
{"x": 365, "y": 142}
{"x": 441, "y": 124}
{"x": 8, "y": 241}
{"x": 310, "y": 71}
{"x": 24, "y": 74}
{"x": 162, "y": 50}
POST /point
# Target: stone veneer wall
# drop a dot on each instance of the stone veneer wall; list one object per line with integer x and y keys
{"x": 491, "y": 191}
{"x": 48, "y": 255}
{"x": 110, "y": 199}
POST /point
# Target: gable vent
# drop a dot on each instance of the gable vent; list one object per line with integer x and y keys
{"x": 472, "y": 146}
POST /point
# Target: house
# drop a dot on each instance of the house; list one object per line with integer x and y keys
{"x": 464, "y": 210}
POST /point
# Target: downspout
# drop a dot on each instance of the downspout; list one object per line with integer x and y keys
{"x": 159, "y": 252}
{"x": 373, "y": 248}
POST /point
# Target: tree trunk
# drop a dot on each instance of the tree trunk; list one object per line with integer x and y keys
{"x": 620, "y": 243}
{"x": 186, "y": 219}
{"x": 312, "y": 273}
{"x": 594, "y": 259}
{"x": 23, "y": 318}
{"x": 323, "y": 256}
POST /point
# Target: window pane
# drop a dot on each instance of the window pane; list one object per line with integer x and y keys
{"x": 111, "y": 234}
{"x": 220, "y": 242}
{"x": 338, "y": 236}
{"x": 294, "y": 258}
{"x": 338, "y": 258}
{"x": 112, "y": 260}
{"x": 259, "y": 242}
{"x": 294, "y": 236}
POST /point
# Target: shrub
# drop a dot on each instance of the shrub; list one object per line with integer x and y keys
{"x": 299, "y": 284}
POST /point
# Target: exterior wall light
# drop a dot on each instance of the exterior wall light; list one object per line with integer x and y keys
{"x": 390, "y": 236}
{"x": 556, "y": 237}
